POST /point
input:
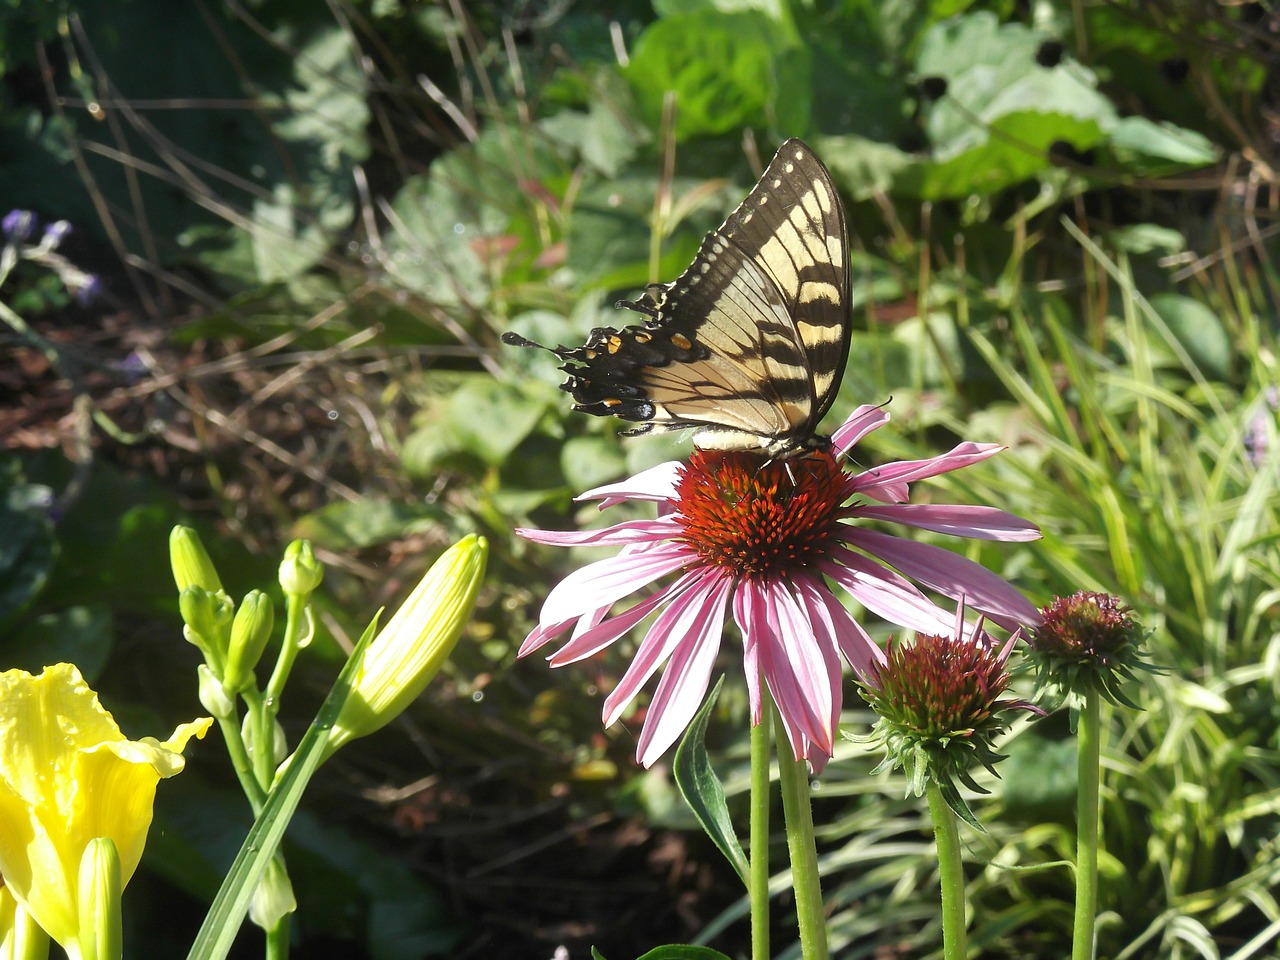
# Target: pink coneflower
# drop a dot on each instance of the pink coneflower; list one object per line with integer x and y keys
{"x": 766, "y": 540}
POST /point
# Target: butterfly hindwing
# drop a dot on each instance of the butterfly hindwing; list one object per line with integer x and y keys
{"x": 748, "y": 345}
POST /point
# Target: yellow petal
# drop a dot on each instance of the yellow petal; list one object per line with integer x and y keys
{"x": 68, "y": 776}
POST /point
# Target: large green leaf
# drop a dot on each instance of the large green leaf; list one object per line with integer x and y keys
{"x": 1153, "y": 147}
{"x": 1014, "y": 148}
{"x": 490, "y": 419}
{"x": 980, "y": 59}
{"x": 1200, "y": 331}
{"x": 725, "y": 70}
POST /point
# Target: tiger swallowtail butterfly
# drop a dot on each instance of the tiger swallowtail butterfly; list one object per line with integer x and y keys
{"x": 748, "y": 346}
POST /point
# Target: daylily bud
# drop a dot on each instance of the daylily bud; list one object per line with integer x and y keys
{"x": 250, "y": 632}
{"x": 300, "y": 571}
{"x": 206, "y": 616}
{"x": 190, "y": 562}
{"x": 100, "y": 934}
{"x": 20, "y": 936}
{"x": 411, "y": 648}
{"x": 212, "y": 696}
{"x": 273, "y": 897}
{"x": 279, "y": 745}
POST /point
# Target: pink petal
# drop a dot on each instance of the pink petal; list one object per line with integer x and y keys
{"x": 656, "y": 483}
{"x": 861, "y": 422}
{"x": 886, "y": 593}
{"x": 542, "y": 634}
{"x": 598, "y": 636}
{"x": 631, "y": 531}
{"x": 958, "y": 520}
{"x": 689, "y": 615}
{"x": 835, "y": 625}
{"x": 951, "y": 575}
{"x": 908, "y": 471}
{"x": 798, "y": 670}
{"x": 601, "y": 583}
{"x": 684, "y": 682}
{"x": 744, "y": 611}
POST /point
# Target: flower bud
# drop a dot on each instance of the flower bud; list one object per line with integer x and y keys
{"x": 18, "y": 224}
{"x": 940, "y": 710}
{"x": 191, "y": 564}
{"x": 212, "y": 695}
{"x": 1088, "y": 642}
{"x": 411, "y": 648}
{"x": 20, "y": 936}
{"x": 273, "y": 898}
{"x": 100, "y": 934}
{"x": 55, "y": 233}
{"x": 206, "y": 616}
{"x": 279, "y": 745}
{"x": 250, "y": 632}
{"x": 300, "y": 571}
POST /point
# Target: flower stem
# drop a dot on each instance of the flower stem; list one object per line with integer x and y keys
{"x": 793, "y": 775}
{"x": 946, "y": 837}
{"x": 277, "y": 944}
{"x": 1089, "y": 751}
{"x": 759, "y": 849}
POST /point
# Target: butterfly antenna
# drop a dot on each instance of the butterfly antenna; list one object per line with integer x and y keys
{"x": 515, "y": 340}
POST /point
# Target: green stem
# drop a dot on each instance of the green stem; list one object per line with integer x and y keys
{"x": 759, "y": 849}
{"x": 793, "y": 775}
{"x": 1089, "y": 747}
{"x": 277, "y": 946}
{"x": 296, "y": 621}
{"x": 946, "y": 837}
{"x": 241, "y": 763}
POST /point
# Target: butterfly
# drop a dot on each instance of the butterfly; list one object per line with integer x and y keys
{"x": 747, "y": 347}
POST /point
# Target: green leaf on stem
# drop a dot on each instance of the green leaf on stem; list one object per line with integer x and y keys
{"x": 702, "y": 790}
{"x": 683, "y": 951}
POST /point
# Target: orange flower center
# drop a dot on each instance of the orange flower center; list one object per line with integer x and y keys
{"x": 761, "y": 519}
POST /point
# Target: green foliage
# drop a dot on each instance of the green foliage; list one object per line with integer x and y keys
{"x": 722, "y": 71}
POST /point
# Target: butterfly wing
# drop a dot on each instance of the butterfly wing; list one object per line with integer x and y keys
{"x": 748, "y": 346}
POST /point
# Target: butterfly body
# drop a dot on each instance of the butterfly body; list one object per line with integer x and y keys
{"x": 747, "y": 346}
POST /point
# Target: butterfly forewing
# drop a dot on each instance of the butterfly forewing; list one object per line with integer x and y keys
{"x": 748, "y": 346}
{"x": 792, "y": 225}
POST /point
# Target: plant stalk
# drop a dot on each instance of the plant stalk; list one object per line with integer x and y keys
{"x": 759, "y": 849}
{"x": 946, "y": 838}
{"x": 793, "y": 775}
{"x": 1088, "y": 760}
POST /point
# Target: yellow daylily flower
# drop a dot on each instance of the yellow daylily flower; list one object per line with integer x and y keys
{"x": 69, "y": 776}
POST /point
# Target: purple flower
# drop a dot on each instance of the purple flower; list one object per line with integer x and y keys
{"x": 766, "y": 540}
{"x": 55, "y": 233}
{"x": 88, "y": 290}
{"x": 18, "y": 225}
